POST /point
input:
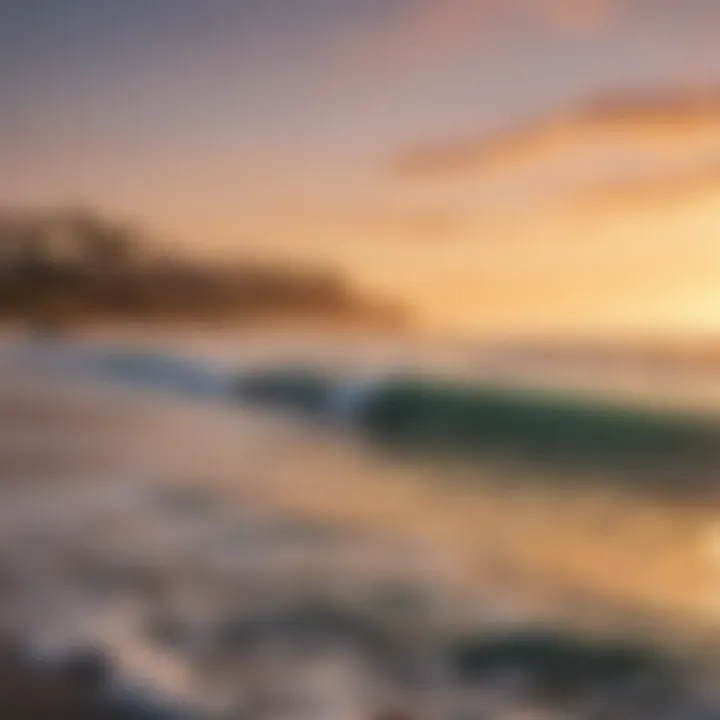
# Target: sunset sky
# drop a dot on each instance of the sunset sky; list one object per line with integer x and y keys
{"x": 499, "y": 164}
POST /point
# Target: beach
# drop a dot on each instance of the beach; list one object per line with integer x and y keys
{"x": 155, "y": 527}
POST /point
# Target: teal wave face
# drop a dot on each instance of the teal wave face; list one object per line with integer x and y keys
{"x": 541, "y": 426}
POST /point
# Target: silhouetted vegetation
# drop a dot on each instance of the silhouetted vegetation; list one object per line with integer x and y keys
{"x": 66, "y": 266}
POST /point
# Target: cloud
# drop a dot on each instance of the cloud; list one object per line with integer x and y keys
{"x": 414, "y": 31}
{"x": 618, "y": 139}
{"x": 574, "y": 15}
{"x": 675, "y": 187}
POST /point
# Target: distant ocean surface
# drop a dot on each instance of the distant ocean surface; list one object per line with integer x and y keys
{"x": 205, "y": 359}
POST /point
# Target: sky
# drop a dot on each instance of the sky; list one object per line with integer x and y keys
{"x": 498, "y": 165}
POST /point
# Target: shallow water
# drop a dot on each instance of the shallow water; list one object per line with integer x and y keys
{"x": 154, "y": 521}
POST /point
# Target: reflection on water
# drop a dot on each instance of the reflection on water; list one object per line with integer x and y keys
{"x": 238, "y": 562}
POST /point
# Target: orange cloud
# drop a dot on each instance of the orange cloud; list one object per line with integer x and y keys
{"x": 621, "y": 194}
{"x": 619, "y": 140}
{"x": 656, "y": 121}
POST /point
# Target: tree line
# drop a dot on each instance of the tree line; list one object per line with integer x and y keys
{"x": 69, "y": 265}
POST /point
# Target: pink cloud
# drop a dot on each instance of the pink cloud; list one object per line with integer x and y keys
{"x": 420, "y": 30}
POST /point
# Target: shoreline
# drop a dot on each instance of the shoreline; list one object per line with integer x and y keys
{"x": 225, "y": 503}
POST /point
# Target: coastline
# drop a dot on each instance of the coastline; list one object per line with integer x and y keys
{"x": 206, "y": 509}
